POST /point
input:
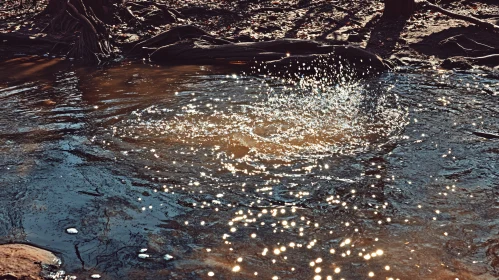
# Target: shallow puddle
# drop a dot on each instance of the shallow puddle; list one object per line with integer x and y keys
{"x": 203, "y": 173}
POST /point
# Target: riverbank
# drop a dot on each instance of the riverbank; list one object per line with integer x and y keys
{"x": 25, "y": 262}
{"x": 427, "y": 38}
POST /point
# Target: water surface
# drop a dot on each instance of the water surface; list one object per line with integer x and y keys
{"x": 197, "y": 173}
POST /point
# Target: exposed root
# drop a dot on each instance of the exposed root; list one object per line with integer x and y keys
{"x": 459, "y": 62}
{"x": 468, "y": 46}
{"x": 169, "y": 37}
{"x": 488, "y": 60}
{"x": 90, "y": 35}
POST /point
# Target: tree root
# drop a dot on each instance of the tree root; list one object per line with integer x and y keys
{"x": 460, "y": 62}
{"x": 474, "y": 20}
{"x": 171, "y": 36}
{"x": 90, "y": 35}
{"x": 488, "y": 60}
{"x": 32, "y": 43}
{"x": 468, "y": 46}
{"x": 17, "y": 38}
{"x": 285, "y": 57}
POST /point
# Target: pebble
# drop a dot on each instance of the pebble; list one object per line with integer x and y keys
{"x": 143, "y": 256}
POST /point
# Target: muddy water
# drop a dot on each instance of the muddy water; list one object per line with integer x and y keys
{"x": 202, "y": 173}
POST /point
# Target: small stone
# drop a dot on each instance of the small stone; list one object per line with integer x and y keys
{"x": 456, "y": 63}
{"x": 144, "y": 256}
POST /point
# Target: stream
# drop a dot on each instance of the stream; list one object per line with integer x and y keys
{"x": 196, "y": 172}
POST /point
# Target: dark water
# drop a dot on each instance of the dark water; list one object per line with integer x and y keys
{"x": 241, "y": 177}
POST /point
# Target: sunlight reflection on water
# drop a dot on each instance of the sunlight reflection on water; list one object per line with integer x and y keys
{"x": 259, "y": 119}
{"x": 196, "y": 174}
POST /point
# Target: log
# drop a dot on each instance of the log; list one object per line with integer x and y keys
{"x": 281, "y": 57}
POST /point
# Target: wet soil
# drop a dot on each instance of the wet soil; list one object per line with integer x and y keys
{"x": 20, "y": 261}
{"x": 359, "y": 23}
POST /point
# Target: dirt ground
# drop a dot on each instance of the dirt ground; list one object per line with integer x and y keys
{"x": 357, "y": 23}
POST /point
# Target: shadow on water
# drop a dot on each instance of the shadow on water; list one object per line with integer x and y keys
{"x": 190, "y": 173}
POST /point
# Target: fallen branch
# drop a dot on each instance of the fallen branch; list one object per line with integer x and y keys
{"x": 474, "y": 20}
{"x": 486, "y": 135}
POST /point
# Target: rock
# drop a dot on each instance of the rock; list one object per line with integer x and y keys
{"x": 20, "y": 261}
{"x": 71, "y": 231}
{"x": 143, "y": 256}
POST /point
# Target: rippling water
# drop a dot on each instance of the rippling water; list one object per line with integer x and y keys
{"x": 197, "y": 173}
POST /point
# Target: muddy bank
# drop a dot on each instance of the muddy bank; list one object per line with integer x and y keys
{"x": 427, "y": 38}
{"x": 23, "y": 262}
